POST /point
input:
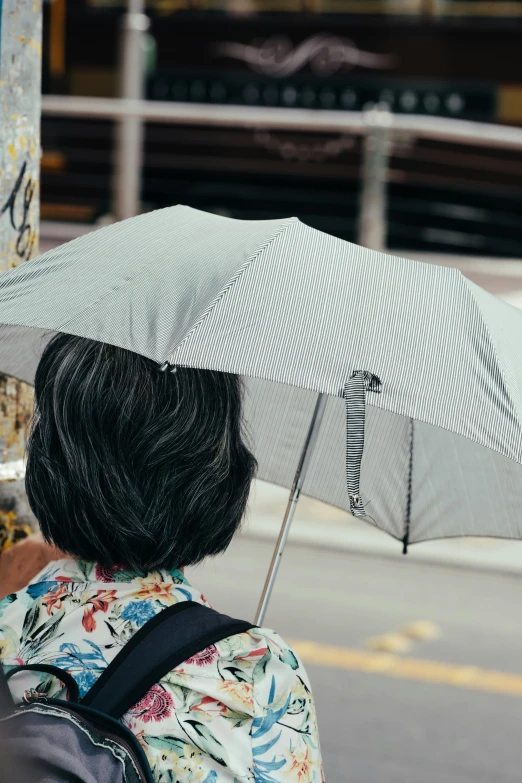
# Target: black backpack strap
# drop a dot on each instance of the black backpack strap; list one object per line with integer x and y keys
{"x": 164, "y": 642}
{"x": 64, "y": 677}
{"x": 6, "y": 700}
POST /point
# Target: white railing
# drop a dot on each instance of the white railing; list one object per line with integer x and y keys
{"x": 443, "y": 129}
{"x": 378, "y": 125}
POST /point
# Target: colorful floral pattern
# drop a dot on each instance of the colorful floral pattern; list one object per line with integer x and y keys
{"x": 139, "y": 612}
{"x": 240, "y": 711}
{"x": 205, "y": 657}
{"x": 156, "y": 705}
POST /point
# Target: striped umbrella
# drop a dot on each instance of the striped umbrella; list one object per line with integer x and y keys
{"x": 386, "y": 387}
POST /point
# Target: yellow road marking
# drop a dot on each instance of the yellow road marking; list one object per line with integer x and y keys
{"x": 389, "y": 642}
{"x": 421, "y": 630}
{"x": 401, "y": 640}
{"x": 469, "y": 677}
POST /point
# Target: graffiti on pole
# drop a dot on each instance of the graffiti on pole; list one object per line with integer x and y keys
{"x": 17, "y": 208}
{"x": 20, "y": 68}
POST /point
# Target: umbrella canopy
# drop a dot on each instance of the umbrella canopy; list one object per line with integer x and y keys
{"x": 415, "y": 360}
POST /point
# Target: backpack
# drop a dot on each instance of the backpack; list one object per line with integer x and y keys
{"x": 83, "y": 741}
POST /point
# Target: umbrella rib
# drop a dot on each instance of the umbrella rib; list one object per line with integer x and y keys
{"x": 230, "y": 284}
{"x": 406, "y": 538}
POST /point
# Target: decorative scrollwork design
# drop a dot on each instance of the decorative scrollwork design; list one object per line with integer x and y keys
{"x": 307, "y": 151}
{"x": 326, "y": 54}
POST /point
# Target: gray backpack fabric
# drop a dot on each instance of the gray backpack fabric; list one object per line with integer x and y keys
{"x": 47, "y": 740}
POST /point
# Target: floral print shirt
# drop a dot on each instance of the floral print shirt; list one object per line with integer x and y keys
{"x": 240, "y": 711}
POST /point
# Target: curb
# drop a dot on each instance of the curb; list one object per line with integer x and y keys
{"x": 482, "y": 555}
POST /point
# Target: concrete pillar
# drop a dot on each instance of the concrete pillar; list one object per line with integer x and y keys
{"x": 20, "y": 87}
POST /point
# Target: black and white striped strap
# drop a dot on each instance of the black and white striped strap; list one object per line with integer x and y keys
{"x": 355, "y": 398}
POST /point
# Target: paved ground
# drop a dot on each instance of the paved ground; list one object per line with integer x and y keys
{"x": 389, "y": 711}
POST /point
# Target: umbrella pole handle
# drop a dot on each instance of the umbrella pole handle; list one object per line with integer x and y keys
{"x": 299, "y": 478}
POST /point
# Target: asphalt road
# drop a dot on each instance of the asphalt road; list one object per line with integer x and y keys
{"x": 388, "y": 711}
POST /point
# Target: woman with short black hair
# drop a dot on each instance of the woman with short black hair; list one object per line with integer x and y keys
{"x": 135, "y": 474}
{"x": 126, "y": 464}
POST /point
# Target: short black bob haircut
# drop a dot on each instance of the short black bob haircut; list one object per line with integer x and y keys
{"x": 129, "y": 466}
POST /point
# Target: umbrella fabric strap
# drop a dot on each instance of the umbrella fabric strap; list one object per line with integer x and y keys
{"x": 355, "y": 398}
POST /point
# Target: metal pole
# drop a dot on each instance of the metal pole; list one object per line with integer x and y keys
{"x": 372, "y": 214}
{"x": 20, "y": 80}
{"x": 129, "y": 135}
{"x": 299, "y": 478}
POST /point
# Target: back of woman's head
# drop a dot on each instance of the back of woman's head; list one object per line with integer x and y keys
{"x": 130, "y": 466}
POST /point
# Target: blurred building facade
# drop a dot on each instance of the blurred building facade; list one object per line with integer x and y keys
{"x": 440, "y": 58}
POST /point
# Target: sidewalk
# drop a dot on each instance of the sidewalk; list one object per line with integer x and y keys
{"x": 318, "y": 525}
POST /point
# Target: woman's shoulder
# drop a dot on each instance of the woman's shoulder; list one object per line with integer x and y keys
{"x": 258, "y": 647}
{"x": 247, "y": 699}
{"x": 259, "y": 658}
